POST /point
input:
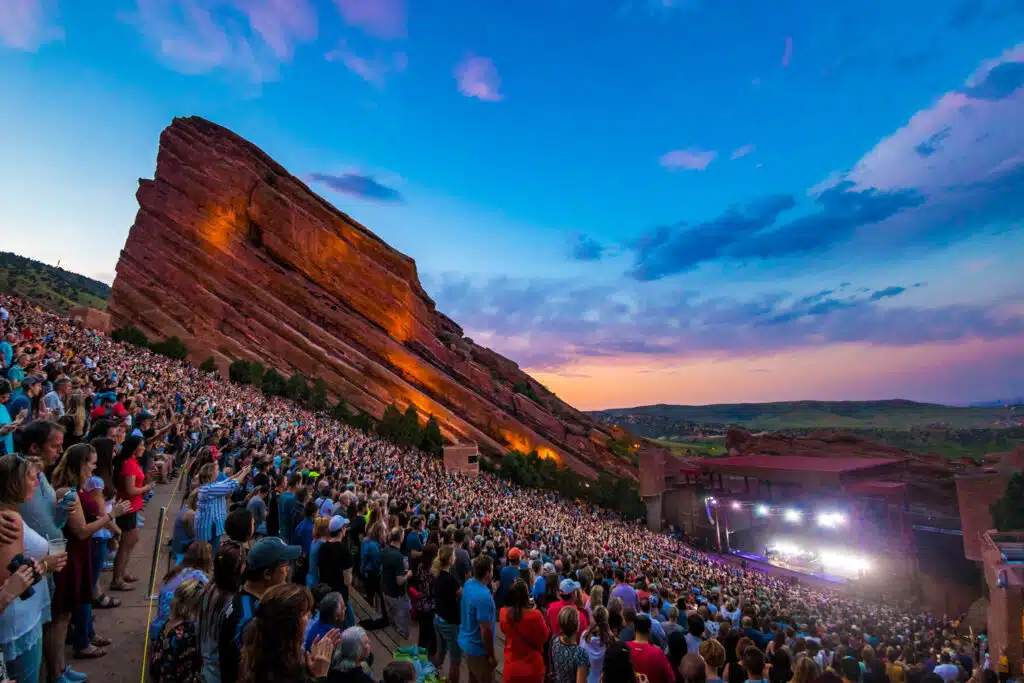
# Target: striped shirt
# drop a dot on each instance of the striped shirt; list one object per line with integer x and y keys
{"x": 213, "y": 508}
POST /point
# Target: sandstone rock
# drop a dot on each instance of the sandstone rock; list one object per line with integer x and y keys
{"x": 240, "y": 259}
{"x": 92, "y": 318}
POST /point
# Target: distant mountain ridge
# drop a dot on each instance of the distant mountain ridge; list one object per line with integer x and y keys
{"x": 49, "y": 286}
{"x": 663, "y": 420}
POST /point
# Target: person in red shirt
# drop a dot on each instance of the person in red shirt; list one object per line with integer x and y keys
{"x": 130, "y": 479}
{"x": 648, "y": 659}
{"x": 526, "y": 633}
{"x": 568, "y": 592}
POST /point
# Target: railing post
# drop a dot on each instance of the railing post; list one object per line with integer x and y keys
{"x": 153, "y": 593}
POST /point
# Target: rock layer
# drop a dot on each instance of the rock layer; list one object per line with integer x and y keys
{"x": 241, "y": 260}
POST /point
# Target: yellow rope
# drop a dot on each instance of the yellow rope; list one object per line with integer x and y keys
{"x": 152, "y": 586}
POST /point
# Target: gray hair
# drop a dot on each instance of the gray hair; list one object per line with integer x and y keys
{"x": 331, "y": 608}
{"x": 347, "y": 655}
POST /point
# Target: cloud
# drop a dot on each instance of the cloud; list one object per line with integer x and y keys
{"x": 550, "y": 323}
{"x": 741, "y": 152}
{"x": 692, "y": 159}
{"x": 887, "y": 293}
{"x": 787, "y": 53}
{"x": 374, "y": 70}
{"x": 26, "y": 24}
{"x": 931, "y": 145}
{"x": 586, "y": 249}
{"x": 357, "y": 185}
{"x": 385, "y": 19}
{"x": 251, "y": 38}
{"x": 999, "y": 83}
{"x": 478, "y": 77}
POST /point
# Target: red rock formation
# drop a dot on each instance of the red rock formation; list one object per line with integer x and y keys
{"x": 240, "y": 259}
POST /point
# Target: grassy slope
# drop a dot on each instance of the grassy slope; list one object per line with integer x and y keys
{"x": 49, "y": 286}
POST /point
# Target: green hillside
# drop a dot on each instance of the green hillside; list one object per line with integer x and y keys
{"x": 894, "y": 414}
{"x": 48, "y": 286}
{"x": 924, "y": 427}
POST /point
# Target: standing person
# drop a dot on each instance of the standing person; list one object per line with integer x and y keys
{"x": 321, "y": 532}
{"x": 370, "y": 564}
{"x": 273, "y": 642}
{"x": 648, "y": 659}
{"x": 54, "y": 401}
{"x": 73, "y": 587}
{"x": 266, "y": 566}
{"x": 185, "y": 527}
{"x": 334, "y": 561}
{"x": 176, "y": 654}
{"x": 618, "y": 665}
{"x": 526, "y": 634}
{"x": 197, "y": 565}
{"x": 129, "y": 477}
{"x": 258, "y": 507}
{"x": 227, "y": 569}
{"x": 213, "y": 508}
{"x": 426, "y": 602}
{"x": 288, "y": 509}
{"x": 596, "y": 642}
{"x": 714, "y": 658}
{"x": 395, "y": 577}
{"x": 476, "y": 630}
{"x": 21, "y": 624}
{"x": 446, "y": 622}
{"x": 568, "y": 660}
{"x": 103, "y": 488}
{"x": 623, "y": 590}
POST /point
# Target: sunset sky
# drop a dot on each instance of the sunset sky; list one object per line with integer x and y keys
{"x": 640, "y": 201}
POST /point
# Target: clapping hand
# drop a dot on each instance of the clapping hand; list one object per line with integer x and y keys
{"x": 318, "y": 661}
{"x": 122, "y": 507}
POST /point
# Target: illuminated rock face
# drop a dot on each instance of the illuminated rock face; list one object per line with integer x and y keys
{"x": 240, "y": 259}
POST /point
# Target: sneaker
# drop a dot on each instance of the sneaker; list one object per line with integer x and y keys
{"x": 73, "y": 676}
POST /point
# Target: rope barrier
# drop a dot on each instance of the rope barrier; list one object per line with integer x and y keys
{"x": 153, "y": 595}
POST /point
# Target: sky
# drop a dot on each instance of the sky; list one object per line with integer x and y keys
{"x": 639, "y": 201}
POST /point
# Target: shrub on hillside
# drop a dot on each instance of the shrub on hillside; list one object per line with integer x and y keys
{"x": 130, "y": 334}
{"x": 172, "y": 347}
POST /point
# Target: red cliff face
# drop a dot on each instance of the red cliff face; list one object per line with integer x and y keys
{"x": 241, "y": 260}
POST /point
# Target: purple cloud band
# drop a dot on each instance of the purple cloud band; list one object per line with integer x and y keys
{"x": 358, "y": 185}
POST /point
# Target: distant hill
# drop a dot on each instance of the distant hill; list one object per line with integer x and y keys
{"x": 688, "y": 421}
{"x": 49, "y": 286}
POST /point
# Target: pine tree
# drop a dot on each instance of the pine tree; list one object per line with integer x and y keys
{"x": 390, "y": 424}
{"x": 432, "y": 442}
{"x": 409, "y": 433}
{"x": 319, "y": 398}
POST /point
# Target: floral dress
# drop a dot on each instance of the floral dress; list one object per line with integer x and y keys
{"x": 176, "y": 655}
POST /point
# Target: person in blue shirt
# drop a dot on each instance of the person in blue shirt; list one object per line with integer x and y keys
{"x": 509, "y": 573}
{"x": 7, "y": 425}
{"x": 304, "y": 529}
{"x": 16, "y": 372}
{"x": 414, "y": 543}
{"x": 288, "y": 506}
{"x": 7, "y": 350}
{"x": 477, "y": 627}
{"x": 20, "y": 402}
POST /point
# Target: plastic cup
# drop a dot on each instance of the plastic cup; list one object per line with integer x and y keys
{"x": 57, "y": 545}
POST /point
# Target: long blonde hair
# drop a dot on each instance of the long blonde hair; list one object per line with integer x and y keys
{"x": 76, "y": 409}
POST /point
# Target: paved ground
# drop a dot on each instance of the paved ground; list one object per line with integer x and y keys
{"x": 127, "y": 624}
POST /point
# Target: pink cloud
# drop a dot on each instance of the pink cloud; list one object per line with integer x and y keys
{"x": 374, "y": 70}
{"x": 788, "y": 52}
{"x": 25, "y": 24}
{"x": 379, "y": 18}
{"x": 741, "y": 152}
{"x": 201, "y": 36}
{"x": 692, "y": 159}
{"x": 477, "y": 77}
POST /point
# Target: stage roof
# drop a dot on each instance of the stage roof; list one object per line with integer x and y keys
{"x": 800, "y": 469}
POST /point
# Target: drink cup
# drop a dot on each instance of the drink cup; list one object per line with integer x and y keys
{"x": 57, "y": 545}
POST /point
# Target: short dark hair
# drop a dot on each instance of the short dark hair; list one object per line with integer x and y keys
{"x": 642, "y": 624}
{"x": 753, "y": 661}
{"x": 850, "y": 669}
{"x": 35, "y": 433}
{"x": 399, "y": 672}
{"x": 238, "y": 525}
{"x": 5, "y": 387}
{"x": 481, "y": 565}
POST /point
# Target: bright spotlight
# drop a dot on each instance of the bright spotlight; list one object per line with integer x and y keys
{"x": 761, "y": 510}
{"x": 839, "y": 561}
{"x": 791, "y": 515}
{"x": 786, "y": 548}
{"x": 831, "y": 519}
{"x": 736, "y": 505}
{"x": 712, "y": 501}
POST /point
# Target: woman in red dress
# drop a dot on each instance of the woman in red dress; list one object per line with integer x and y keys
{"x": 73, "y": 587}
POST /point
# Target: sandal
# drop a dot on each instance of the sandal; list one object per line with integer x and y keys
{"x": 128, "y": 578}
{"x": 106, "y": 602}
{"x": 100, "y": 641}
{"x": 91, "y": 652}
{"x": 121, "y": 587}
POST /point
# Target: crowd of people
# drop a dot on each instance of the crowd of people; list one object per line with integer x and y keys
{"x": 290, "y": 517}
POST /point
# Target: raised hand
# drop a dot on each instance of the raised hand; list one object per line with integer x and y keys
{"x": 318, "y": 661}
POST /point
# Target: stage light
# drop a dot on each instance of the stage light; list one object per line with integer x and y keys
{"x": 831, "y": 519}
{"x": 845, "y": 562}
{"x": 791, "y": 515}
{"x": 736, "y": 505}
{"x": 761, "y": 510}
{"x": 786, "y": 548}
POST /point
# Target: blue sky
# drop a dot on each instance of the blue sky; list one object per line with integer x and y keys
{"x": 639, "y": 200}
